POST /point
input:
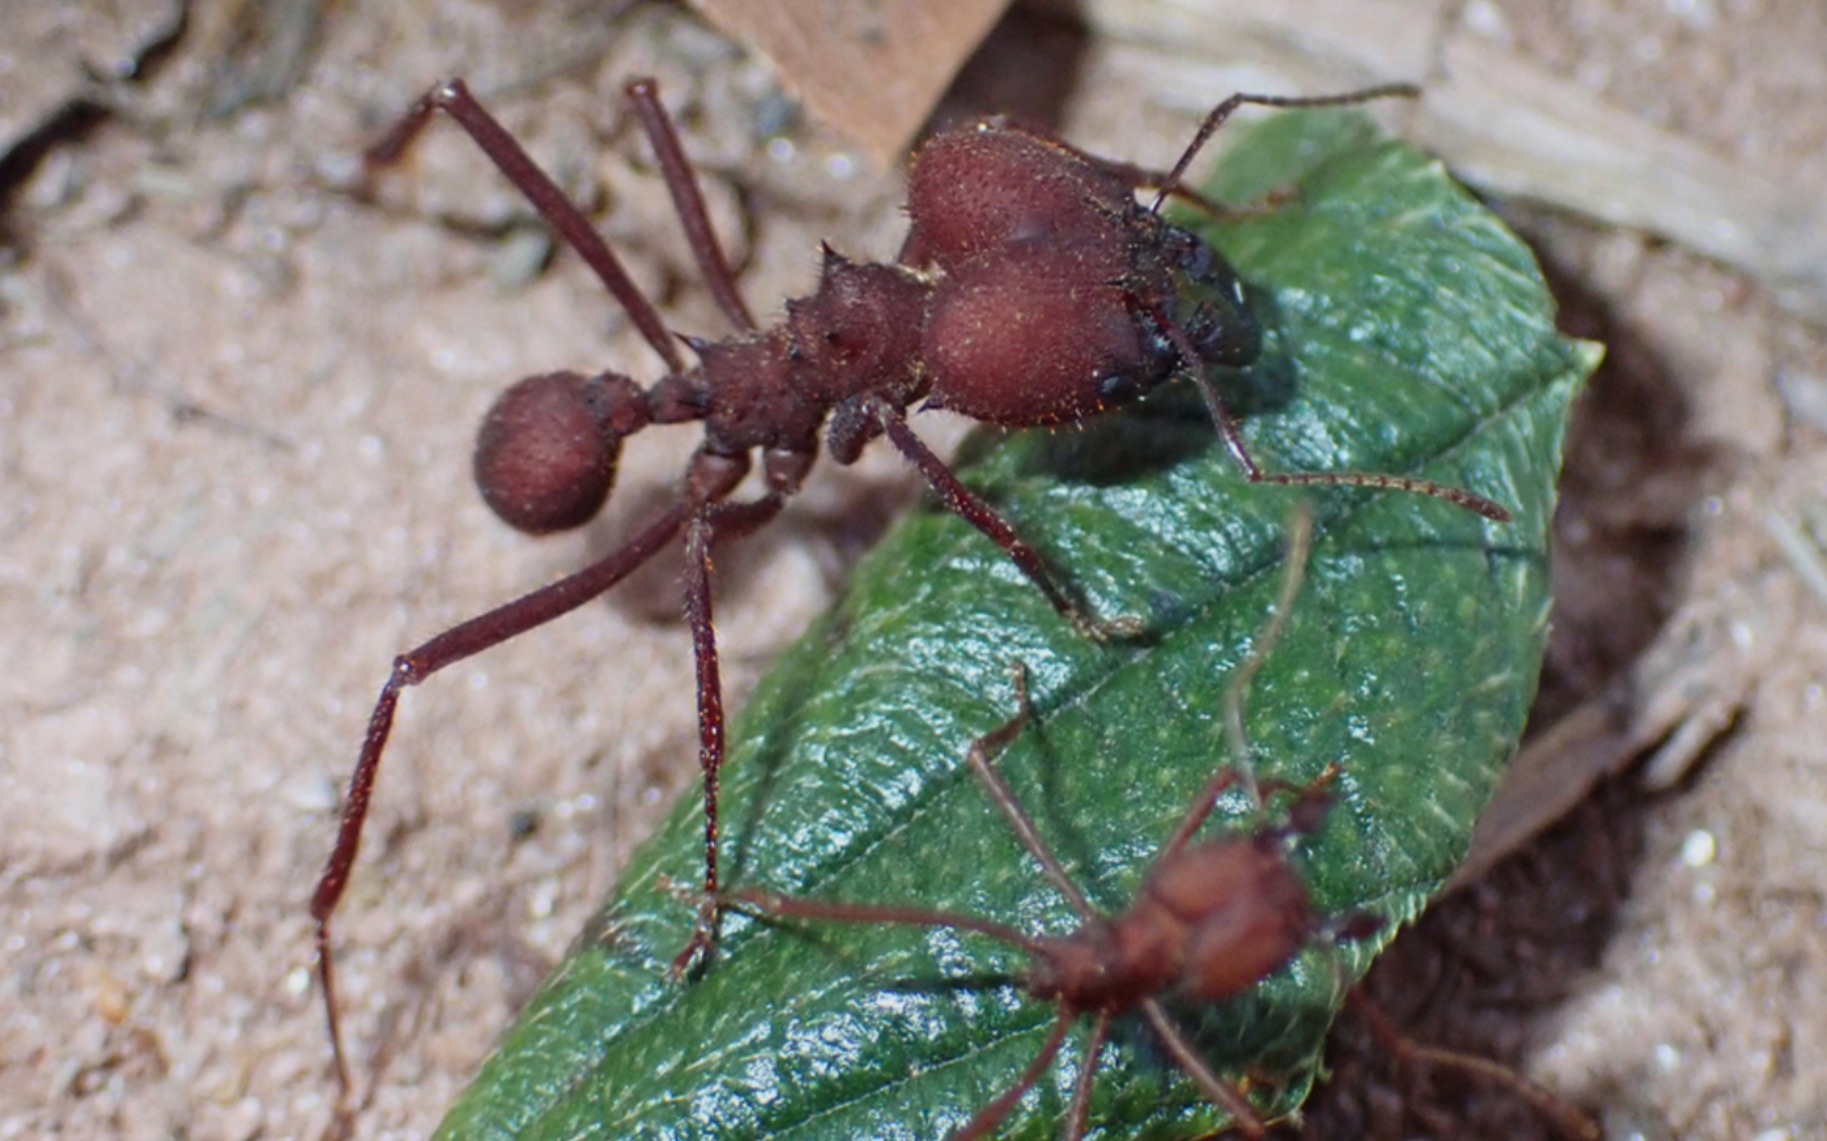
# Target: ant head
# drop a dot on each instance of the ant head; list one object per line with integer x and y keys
{"x": 1307, "y": 815}
{"x": 1244, "y": 909}
{"x": 989, "y": 188}
{"x": 545, "y": 455}
{"x": 1035, "y": 338}
{"x": 1308, "y": 810}
{"x": 1353, "y": 926}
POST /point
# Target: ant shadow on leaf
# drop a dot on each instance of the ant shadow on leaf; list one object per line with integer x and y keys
{"x": 1167, "y": 426}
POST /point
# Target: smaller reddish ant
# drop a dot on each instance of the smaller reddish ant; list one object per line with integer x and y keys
{"x": 1033, "y": 290}
{"x": 1210, "y": 920}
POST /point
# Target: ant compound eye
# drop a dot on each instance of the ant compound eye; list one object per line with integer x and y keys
{"x": 546, "y": 452}
{"x": 1197, "y": 259}
{"x": 1119, "y": 388}
{"x": 1160, "y": 356}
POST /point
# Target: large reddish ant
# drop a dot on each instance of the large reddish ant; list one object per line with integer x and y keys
{"x": 1033, "y": 290}
{"x": 1211, "y": 918}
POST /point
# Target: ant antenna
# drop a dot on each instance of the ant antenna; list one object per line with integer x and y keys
{"x": 1217, "y": 115}
{"x": 1242, "y": 767}
{"x": 1236, "y": 698}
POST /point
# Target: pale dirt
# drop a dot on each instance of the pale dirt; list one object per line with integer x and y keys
{"x": 237, "y": 407}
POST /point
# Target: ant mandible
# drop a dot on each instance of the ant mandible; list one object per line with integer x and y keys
{"x": 1033, "y": 289}
{"x": 1211, "y": 918}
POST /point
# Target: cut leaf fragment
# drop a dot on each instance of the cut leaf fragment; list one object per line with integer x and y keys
{"x": 1408, "y": 332}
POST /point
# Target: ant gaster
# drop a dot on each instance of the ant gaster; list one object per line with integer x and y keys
{"x": 1033, "y": 290}
{"x": 1211, "y": 917}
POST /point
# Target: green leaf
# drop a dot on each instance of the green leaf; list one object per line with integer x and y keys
{"x": 1408, "y": 332}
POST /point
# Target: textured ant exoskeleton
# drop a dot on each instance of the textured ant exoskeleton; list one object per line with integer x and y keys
{"x": 1033, "y": 290}
{"x": 1210, "y": 919}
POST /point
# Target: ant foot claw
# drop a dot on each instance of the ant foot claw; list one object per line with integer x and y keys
{"x": 1119, "y": 629}
{"x": 701, "y": 946}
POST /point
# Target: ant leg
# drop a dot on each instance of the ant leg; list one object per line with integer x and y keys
{"x": 1242, "y": 767}
{"x": 1252, "y": 471}
{"x": 964, "y": 503}
{"x": 710, "y": 729}
{"x": 982, "y": 751}
{"x": 1567, "y": 1118}
{"x": 768, "y": 903}
{"x": 985, "y": 1121}
{"x": 455, "y": 100}
{"x": 1216, "y": 117}
{"x": 459, "y": 642}
{"x": 688, "y": 201}
{"x": 1221, "y": 1092}
{"x": 719, "y": 520}
{"x": 1080, "y": 1109}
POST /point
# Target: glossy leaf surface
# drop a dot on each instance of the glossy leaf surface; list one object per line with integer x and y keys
{"x": 1408, "y": 332}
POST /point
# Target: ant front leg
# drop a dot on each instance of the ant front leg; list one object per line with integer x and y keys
{"x": 966, "y": 504}
{"x": 1226, "y": 422}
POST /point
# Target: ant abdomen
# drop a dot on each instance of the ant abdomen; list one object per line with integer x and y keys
{"x": 546, "y": 452}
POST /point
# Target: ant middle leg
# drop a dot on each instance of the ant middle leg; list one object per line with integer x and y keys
{"x": 709, "y": 523}
{"x": 986, "y": 1119}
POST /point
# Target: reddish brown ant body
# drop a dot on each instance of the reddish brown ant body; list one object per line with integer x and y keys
{"x": 1033, "y": 290}
{"x": 1210, "y": 919}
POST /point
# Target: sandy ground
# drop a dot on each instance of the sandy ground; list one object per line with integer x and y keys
{"x": 237, "y": 406}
